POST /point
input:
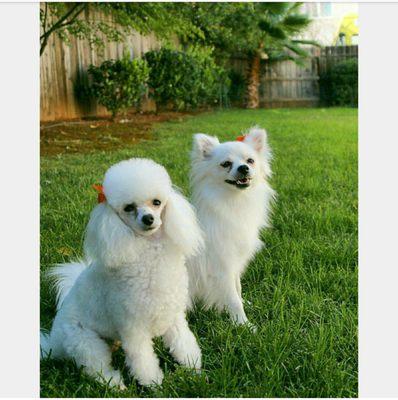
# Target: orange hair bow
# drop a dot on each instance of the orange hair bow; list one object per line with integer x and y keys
{"x": 241, "y": 138}
{"x": 101, "y": 195}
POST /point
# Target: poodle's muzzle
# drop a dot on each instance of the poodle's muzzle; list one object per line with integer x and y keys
{"x": 143, "y": 220}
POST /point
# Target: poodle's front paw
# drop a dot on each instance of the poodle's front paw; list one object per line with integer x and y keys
{"x": 150, "y": 377}
{"x": 115, "y": 380}
{"x": 194, "y": 359}
{"x": 121, "y": 386}
{"x": 248, "y": 324}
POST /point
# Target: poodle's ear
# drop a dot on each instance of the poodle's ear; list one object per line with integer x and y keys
{"x": 181, "y": 224}
{"x": 256, "y": 138}
{"x": 107, "y": 238}
{"x": 203, "y": 145}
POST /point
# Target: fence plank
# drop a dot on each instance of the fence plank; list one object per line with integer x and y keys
{"x": 63, "y": 70}
{"x": 286, "y": 84}
{"x": 64, "y": 67}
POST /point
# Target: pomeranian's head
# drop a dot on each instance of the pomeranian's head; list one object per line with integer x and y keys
{"x": 139, "y": 201}
{"x": 137, "y": 190}
{"x": 234, "y": 166}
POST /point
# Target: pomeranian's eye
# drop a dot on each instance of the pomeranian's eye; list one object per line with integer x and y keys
{"x": 156, "y": 202}
{"x": 250, "y": 161}
{"x": 130, "y": 207}
{"x": 226, "y": 164}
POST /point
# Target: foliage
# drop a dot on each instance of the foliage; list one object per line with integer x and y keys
{"x": 252, "y": 31}
{"x": 339, "y": 85}
{"x": 119, "y": 84}
{"x": 229, "y": 27}
{"x": 185, "y": 80}
{"x": 300, "y": 288}
{"x": 165, "y": 20}
{"x": 246, "y": 28}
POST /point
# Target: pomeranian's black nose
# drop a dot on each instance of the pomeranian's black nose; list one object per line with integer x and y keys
{"x": 243, "y": 169}
{"x": 147, "y": 219}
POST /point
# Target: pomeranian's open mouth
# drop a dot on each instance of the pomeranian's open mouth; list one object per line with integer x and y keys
{"x": 241, "y": 183}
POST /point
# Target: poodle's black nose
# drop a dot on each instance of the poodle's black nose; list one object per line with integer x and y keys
{"x": 243, "y": 169}
{"x": 147, "y": 219}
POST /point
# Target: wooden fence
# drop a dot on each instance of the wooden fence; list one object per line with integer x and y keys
{"x": 331, "y": 55}
{"x": 63, "y": 72}
{"x": 287, "y": 84}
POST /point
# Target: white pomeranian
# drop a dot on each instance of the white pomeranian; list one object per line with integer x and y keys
{"x": 133, "y": 285}
{"x": 232, "y": 197}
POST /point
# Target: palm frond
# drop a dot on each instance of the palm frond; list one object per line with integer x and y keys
{"x": 276, "y": 8}
{"x": 272, "y": 30}
{"x": 296, "y": 49}
{"x": 295, "y": 22}
{"x": 303, "y": 41}
{"x": 295, "y": 6}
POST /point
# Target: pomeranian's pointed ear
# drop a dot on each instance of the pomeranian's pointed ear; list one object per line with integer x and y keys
{"x": 203, "y": 144}
{"x": 257, "y": 139}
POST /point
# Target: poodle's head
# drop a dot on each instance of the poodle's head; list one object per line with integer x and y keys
{"x": 137, "y": 190}
{"x": 234, "y": 166}
{"x": 139, "y": 202}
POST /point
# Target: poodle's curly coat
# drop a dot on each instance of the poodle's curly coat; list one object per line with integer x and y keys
{"x": 133, "y": 284}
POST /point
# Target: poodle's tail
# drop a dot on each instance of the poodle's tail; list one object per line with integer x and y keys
{"x": 50, "y": 345}
{"x": 45, "y": 345}
{"x": 65, "y": 276}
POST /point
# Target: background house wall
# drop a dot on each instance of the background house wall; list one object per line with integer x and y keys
{"x": 327, "y": 20}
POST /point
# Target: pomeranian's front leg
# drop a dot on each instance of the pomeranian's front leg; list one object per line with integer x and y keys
{"x": 182, "y": 344}
{"x": 141, "y": 359}
{"x": 233, "y": 301}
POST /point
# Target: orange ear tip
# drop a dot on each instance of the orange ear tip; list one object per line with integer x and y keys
{"x": 101, "y": 195}
{"x": 240, "y": 138}
{"x": 101, "y": 198}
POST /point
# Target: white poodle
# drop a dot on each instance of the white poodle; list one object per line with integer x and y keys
{"x": 133, "y": 285}
{"x": 232, "y": 197}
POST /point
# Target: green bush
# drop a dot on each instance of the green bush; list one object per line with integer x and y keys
{"x": 186, "y": 80}
{"x": 339, "y": 86}
{"x": 119, "y": 84}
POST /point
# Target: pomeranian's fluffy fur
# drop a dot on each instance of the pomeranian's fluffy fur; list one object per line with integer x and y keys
{"x": 232, "y": 197}
{"x": 133, "y": 284}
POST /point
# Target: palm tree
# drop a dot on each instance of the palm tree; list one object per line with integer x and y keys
{"x": 276, "y": 24}
{"x": 252, "y": 30}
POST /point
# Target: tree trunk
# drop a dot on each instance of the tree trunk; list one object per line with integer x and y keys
{"x": 253, "y": 80}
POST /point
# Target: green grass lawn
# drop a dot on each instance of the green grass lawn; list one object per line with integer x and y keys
{"x": 302, "y": 288}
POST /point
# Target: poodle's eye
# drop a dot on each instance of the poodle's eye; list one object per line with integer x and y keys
{"x": 250, "y": 161}
{"x": 156, "y": 202}
{"x": 226, "y": 164}
{"x": 130, "y": 207}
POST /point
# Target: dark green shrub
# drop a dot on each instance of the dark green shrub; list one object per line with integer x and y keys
{"x": 339, "y": 86}
{"x": 119, "y": 84}
{"x": 185, "y": 80}
{"x": 238, "y": 87}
